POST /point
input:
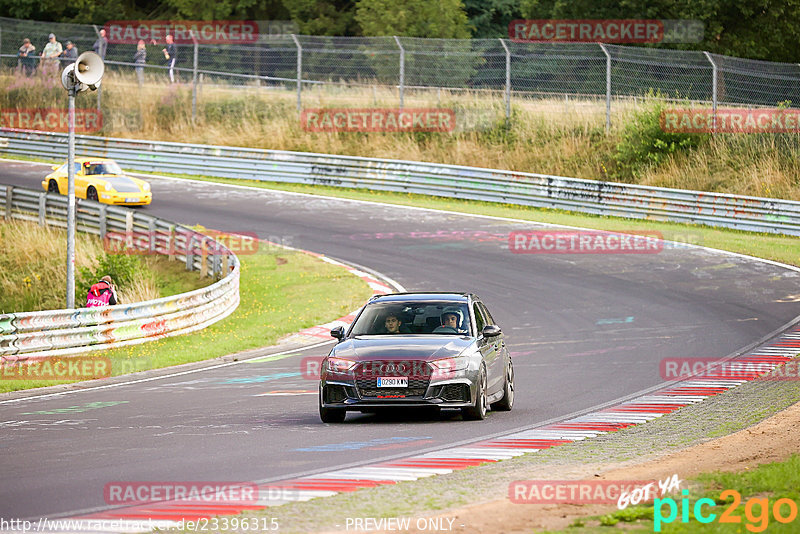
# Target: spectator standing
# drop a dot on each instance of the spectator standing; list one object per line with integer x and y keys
{"x": 140, "y": 58}
{"x": 50, "y": 54}
{"x": 70, "y": 54}
{"x": 101, "y": 45}
{"x": 26, "y": 59}
{"x": 171, "y": 55}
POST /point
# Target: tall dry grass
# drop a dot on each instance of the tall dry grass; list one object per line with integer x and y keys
{"x": 559, "y": 136}
{"x": 32, "y": 268}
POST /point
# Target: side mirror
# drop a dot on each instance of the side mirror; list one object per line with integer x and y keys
{"x": 491, "y": 330}
{"x": 338, "y": 333}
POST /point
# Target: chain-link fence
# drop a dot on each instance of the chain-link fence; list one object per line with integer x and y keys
{"x": 510, "y": 70}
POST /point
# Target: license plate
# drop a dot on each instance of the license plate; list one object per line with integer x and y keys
{"x": 131, "y": 200}
{"x": 392, "y": 381}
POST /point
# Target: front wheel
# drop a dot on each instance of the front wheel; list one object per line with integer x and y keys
{"x": 478, "y": 411}
{"x": 331, "y": 415}
{"x": 91, "y": 194}
{"x": 52, "y": 187}
{"x": 505, "y": 404}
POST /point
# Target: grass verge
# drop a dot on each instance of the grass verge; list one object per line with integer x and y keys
{"x": 759, "y": 493}
{"x": 281, "y": 292}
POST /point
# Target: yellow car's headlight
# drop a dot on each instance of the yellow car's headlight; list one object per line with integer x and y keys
{"x": 146, "y": 187}
{"x": 109, "y": 187}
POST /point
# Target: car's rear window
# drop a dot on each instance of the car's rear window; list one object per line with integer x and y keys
{"x": 384, "y": 318}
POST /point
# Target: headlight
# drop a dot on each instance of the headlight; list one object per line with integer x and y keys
{"x": 146, "y": 186}
{"x": 339, "y": 365}
{"x": 446, "y": 366}
{"x": 109, "y": 187}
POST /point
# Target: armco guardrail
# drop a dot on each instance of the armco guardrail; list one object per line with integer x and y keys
{"x": 35, "y": 335}
{"x": 588, "y": 196}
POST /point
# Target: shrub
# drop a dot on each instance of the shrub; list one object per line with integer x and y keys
{"x": 645, "y": 144}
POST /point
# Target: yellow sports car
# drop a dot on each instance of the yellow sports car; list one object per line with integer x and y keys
{"x": 102, "y": 180}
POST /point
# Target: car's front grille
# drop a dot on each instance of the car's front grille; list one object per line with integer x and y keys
{"x": 418, "y": 373}
{"x": 413, "y": 383}
{"x": 455, "y": 392}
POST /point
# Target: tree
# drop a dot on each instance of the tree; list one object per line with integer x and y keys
{"x": 490, "y": 18}
{"x": 757, "y": 29}
{"x": 443, "y": 19}
{"x": 323, "y": 17}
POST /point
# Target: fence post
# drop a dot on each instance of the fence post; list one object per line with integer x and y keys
{"x": 9, "y": 194}
{"x": 42, "y": 207}
{"x": 402, "y": 69}
{"x": 713, "y": 92}
{"x": 299, "y": 72}
{"x": 508, "y": 78}
{"x": 194, "y": 79}
{"x": 99, "y": 88}
{"x": 608, "y": 86}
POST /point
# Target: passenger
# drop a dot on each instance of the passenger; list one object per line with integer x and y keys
{"x": 452, "y": 321}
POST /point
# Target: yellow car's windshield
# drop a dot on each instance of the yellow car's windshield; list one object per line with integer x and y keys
{"x": 108, "y": 167}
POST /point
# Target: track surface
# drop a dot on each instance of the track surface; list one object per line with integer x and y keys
{"x": 583, "y": 330}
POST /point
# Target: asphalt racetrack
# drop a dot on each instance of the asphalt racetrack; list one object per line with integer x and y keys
{"x": 583, "y": 329}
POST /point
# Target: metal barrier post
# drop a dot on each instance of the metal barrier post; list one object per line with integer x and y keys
{"x": 9, "y": 194}
{"x": 713, "y": 92}
{"x": 171, "y": 242}
{"x": 608, "y": 86}
{"x": 299, "y": 72}
{"x": 152, "y": 229}
{"x": 189, "y": 252}
{"x": 42, "y": 207}
{"x": 508, "y": 78}
{"x": 402, "y": 69}
{"x": 103, "y": 223}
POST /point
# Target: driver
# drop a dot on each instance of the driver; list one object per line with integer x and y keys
{"x": 452, "y": 318}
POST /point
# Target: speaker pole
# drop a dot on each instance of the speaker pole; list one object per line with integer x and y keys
{"x": 71, "y": 201}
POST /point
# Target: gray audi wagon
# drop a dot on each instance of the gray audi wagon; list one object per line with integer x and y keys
{"x": 418, "y": 350}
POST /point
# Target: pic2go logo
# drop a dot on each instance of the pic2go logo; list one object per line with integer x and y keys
{"x": 758, "y": 521}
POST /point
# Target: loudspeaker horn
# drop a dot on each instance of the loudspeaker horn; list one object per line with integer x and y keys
{"x": 89, "y": 69}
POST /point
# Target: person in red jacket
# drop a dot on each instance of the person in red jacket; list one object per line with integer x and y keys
{"x": 102, "y": 293}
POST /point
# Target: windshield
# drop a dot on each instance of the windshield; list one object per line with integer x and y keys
{"x": 386, "y": 318}
{"x": 108, "y": 167}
